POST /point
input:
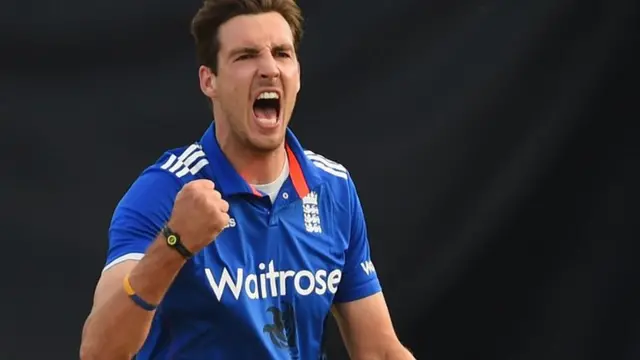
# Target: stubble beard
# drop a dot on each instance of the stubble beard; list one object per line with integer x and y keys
{"x": 241, "y": 135}
{"x": 260, "y": 147}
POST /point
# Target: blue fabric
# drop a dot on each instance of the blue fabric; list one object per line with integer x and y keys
{"x": 264, "y": 287}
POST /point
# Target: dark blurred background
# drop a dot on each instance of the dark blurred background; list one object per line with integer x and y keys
{"x": 495, "y": 146}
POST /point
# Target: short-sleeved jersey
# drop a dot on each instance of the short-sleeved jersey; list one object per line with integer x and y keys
{"x": 264, "y": 287}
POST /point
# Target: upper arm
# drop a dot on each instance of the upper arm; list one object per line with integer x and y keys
{"x": 135, "y": 224}
{"x": 359, "y": 278}
{"x": 359, "y": 306}
{"x": 140, "y": 215}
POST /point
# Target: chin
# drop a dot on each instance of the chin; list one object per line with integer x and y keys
{"x": 265, "y": 144}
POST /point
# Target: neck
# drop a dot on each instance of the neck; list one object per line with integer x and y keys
{"x": 255, "y": 166}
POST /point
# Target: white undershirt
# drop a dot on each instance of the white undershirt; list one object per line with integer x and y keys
{"x": 272, "y": 189}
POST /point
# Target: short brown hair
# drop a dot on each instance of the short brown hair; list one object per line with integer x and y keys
{"x": 214, "y": 13}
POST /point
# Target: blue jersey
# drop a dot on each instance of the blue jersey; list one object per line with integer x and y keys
{"x": 264, "y": 287}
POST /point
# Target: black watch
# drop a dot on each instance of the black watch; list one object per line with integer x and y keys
{"x": 173, "y": 240}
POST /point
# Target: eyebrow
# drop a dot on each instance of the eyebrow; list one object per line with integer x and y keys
{"x": 243, "y": 50}
{"x": 254, "y": 51}
{"x": 283, "y": 47}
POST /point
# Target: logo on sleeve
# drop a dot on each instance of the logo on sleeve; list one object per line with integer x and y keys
{"x": 367, "y": 267}
{"x": 311, "y": 213}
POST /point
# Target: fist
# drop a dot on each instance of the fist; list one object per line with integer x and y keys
{"x": 199, "y": 214}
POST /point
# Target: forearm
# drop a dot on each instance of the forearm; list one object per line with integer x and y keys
{"x": 117, "y": 328}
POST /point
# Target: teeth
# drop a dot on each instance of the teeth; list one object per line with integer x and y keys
{"x": 269, "y": 95}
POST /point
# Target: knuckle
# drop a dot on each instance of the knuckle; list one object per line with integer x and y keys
{"x": 206, "y": 183}
{"x": 223, "y": 220}
{"x": 199, "y": 184}
{"x": 222, "y": 217}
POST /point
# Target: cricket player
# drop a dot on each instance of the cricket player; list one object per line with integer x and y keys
{"x": 239, "y": 245}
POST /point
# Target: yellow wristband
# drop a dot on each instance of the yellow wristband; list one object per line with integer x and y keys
{"x": 133, "y": 296}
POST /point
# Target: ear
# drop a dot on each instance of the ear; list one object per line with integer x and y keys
{"x": 207, "y": 82}
{"x": 299, "y": 78}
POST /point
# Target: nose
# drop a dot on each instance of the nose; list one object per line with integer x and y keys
{"x": 268, "y": 68}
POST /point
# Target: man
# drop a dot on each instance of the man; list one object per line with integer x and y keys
{"x": 239, "y": 245}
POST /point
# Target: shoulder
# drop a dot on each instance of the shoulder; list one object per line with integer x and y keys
{"x": 170, "y": 172}
{"x": 333, "y": 174}
{"x": 338, "y": 186}
{"x": 183, "y": 163}
{"x": 330, "y": 170}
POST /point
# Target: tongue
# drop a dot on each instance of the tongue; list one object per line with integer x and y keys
{"x": 268, "y": 113}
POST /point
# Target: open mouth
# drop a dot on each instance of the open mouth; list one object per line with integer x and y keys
{"x": 266, "y": 108}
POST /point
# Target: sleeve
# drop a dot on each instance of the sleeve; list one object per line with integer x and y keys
{"x": 140, "y": 215}
{"x": 359, "y": 278}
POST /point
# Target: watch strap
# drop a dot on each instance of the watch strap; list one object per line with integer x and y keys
{"x": 173, "y": 240}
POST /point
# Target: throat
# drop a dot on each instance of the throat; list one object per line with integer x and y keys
{"x": 273, "y": 188}
{"x": 255, "y": 167}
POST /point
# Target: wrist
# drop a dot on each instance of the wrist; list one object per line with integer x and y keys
{"x": 174, "y": 241}
{"x": 163, "y": 254}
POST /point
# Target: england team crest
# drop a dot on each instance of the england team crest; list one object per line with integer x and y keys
{"x": 311, "y": 213}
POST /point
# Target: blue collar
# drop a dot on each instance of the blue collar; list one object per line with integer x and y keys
{"x": 302, "y": 172}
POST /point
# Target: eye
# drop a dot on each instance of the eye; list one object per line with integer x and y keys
{"x": 244, "y": 57}
{"x": 283, "y": 54}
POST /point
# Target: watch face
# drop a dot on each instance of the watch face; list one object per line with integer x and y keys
{"x": 172, "y": 240}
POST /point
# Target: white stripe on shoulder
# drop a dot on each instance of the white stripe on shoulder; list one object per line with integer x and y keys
{"x": 327, "y": 165}
{"x": 192, "y": 160}
{"x": 123, "y": 258}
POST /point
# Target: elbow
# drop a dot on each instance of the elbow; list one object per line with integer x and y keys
{"x": 94, "y": 347}
{"x": 101, "y": 342}
{"x": 87, "y": 355}
{"x": 89, "y": 351}
{"x": 87, "y": 347}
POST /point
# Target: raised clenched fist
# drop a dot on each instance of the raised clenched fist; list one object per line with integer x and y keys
{"x": 199, "y": 214}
